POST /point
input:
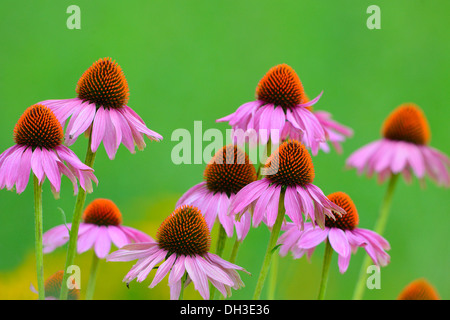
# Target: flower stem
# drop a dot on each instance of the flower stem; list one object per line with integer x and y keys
{"x": 379, "y": 228}
{"x": 92, "y": 277}
{"x": 220, "y": 246}
{"x": 183, "y": 280}
{"x": 273, "y": 277}
{"x": 234, "y": 250}
{"x": 270, "y": 248}
{"x": 325, "y": 270}
{"x": 77, "y": 214}
{"x": 38, "y": 237}
{"x": 221, "y": 239}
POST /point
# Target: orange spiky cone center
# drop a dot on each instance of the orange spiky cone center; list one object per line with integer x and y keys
{"x": 102, "y": 212}
{"x": 419, "y": 290}
{"x": 347, "y": 221}
{"x": 38, "y": 127}
{"x": 281, "y": 86}
{"x": 290, "y": 165}
{"x": 185, "y": 232}
{"x": 229, "y": 171}
{"x": 104, "y": 84}
{"x": 407, "y": 123}
{"x": 52, "y": 287}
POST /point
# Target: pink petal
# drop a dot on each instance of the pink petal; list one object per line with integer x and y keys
{"x": 163, "y": 269}
{"x": 339, "y": 241}
{"x": 197, "y": 275}
{"x": 117, "y": 236}
{"x": 98, "y": 128}
{"x": 50, "y": 166}
{"x": 312, "y": 237}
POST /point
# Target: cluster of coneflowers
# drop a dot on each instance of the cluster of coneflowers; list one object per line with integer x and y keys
{"x": 233, "y": 193}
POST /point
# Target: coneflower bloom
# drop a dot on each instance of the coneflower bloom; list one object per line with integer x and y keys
{"x": 53, "y": 287}
{"x": 183, "y": 242}
{"x": 101, "y": 109}
{"x": 38, "y": 135}
{"x": 228, "y": 172}
{"x": 343, "y": 234}
{"x": 335, "y": 132}
{"x": 279, "y": 110}
{"x": 101, "y": 227}
{"x": 288, "y": 169}
{"x": 403, "y": 149}
{"x": 419, "y": 289}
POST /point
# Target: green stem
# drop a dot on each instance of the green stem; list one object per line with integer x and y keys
{"x": 92, "y": 277}
{"x": 273, "y": 277}
{"x": 183, "y": 280}
{"x": 221, "y": 239}
{"x": 235, "y": 250}
{"x": 77, "y": 214}
{"x": 379, "y": 228}
{"x": 38, "y": 237}
{"x": 220, "y": 246}
{"x": 270, "y": 249}
{"x": 325, "y": 270}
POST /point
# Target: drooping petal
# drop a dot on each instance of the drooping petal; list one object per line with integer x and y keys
{"x": 312, "y": 237}
{"x": 98, "y": 128}
{"x": 339, "y": 241}
{"x": 50, "y": 167}
{"x": 23, "y": 173}
{"x": 248, "y": 194}
{"x": 102, "y": 243}
{"x": 117, "y": 236}
{"x": 87, "y": 240}
{"x": 163, "y": 269}
{"x": 197, "y": 275}
{"x": 80, "y": 122}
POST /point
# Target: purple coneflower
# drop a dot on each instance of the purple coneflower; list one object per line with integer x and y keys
{"x": 343, "y": 235}
{"x": 335, "y": 132}
{"x": 53, "y": 287}
{"x": 225, "y": 175}
{"x": 39, "y": 149}
{"x": 101, "y": 227}
{"x": 280, "y": 111}
{"x": 288, "y": 169}
{"x": 183, "y": 242}
{"x": 403, "y": 149}
{"x": 286, "y": 189}
{"x": 101, "y": 110}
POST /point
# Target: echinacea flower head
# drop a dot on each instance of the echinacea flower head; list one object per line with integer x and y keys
{"x": 100, "y": 109}
{"x": 182, "y": 246}
{"x": 228, "y": 172}
{"x": 279, "y": 112}
{"x": 288, "y": 170}
{"x": 101, "y": 227}
{"x": 343, "y": 234}
{"x": 404, "y": 149}
{"x": 335, "y": 132}
{"x": 419, "y": 289}
{"x": 39, "y": 149}
{"x": 52, "y": 287}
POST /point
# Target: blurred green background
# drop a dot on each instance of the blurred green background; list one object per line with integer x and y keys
{"x": 188, "y": 61}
